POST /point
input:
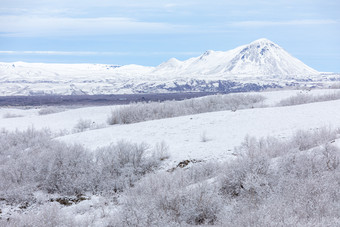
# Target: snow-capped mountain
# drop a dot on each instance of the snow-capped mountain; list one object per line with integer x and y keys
{"x": 258, "y": 65}
{"x": 259, "y": 58}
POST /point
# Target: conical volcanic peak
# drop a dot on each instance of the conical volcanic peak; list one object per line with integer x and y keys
{"x": 262, "y": 41}
{"x": 261, "y": 57}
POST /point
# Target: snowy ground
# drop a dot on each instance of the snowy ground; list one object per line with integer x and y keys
{"x": 223, "y": 130}
{"x": 207, "y": 137}
{"x": 66, "y": 120}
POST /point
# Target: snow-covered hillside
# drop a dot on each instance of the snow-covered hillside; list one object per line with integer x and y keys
{"x": 224, "y": 130}
{"x": 256, "y": 66}
{"x": 270, "y": 159}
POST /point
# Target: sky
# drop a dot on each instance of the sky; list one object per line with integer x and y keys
{"x": 149, "y": 32}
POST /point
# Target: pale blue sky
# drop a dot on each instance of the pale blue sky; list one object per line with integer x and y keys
{"x": 152, "y": 31}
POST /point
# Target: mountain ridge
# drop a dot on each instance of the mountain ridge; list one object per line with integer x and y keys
{"x": 260, "y": 57}
{"x": 258, "y": 65}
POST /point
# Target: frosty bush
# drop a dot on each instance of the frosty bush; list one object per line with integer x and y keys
{"x": 31, "y": 161}
{"x": 50, "y": 110}
{"x": 271, "y": 182}
{"x": 203, "y": 137}
{"x": 155, "y": 110}
{"x": 120, "y": 166}
{"x": 11, "y": 115}
{"x": 172, "y": 199}
{"x": 161, "y": 151}
{"x": 49, "y": 215}
{"x": 82, "y": 125}
{"x": 293, "y": 182}
{"x": 302, "y": 98}
{"x": 86, "y": 124}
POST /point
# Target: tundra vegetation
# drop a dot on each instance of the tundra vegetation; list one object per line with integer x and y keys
{"x": 303, "y": 98}
{"x": 138, "y": 112}
{"x": 268, "y": 182}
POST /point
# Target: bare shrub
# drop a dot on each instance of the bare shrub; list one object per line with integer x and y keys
{"x": 31, "y": 161}
{"x": 302, "y": 98}
{"x": 295, "y": 185}
{"x": 50, "y": 110}
{"x": 305, "y": 140}
{"x": 271, "y": 182}
{"x": 83, "y": 125}
{"x": 170, "y": 199}
{"x": 161, "y": 151}
{"x": 122, "y": 164}
{"x": 155, "y": 110}
{"x": 203, "y": 137}
{"x": 48, "y": 215}
{"x": 11, "y": 115}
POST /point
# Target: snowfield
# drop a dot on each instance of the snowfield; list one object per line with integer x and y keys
{"x": 61, "y": 121}
{"x": 67, "y": 118}
{"x": 270, "y": 165}
{"x": 223, "y": 130}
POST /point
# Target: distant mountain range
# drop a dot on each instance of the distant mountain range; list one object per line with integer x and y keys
{"x": 259, "y": 65}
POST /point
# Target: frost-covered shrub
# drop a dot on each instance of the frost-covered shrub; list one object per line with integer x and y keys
{"x": 47, "y": 215}
{"x": 270, "y": 182}
{"x": 304, "y": 140}
{"x": 303, "y": 98}
{"x": 19, "y": 140}
{"x": 86, "y": 124}
{"x": 248, "y": 177}
{"x": 155, "y": 110}
{"x": 11, "y": 115}
{"x": 120, "y": 166}
{"x": 161, "y": 151}
{"x": 68, "y": 168}
{"x": 297, "y": 185}
{"x": 171, "y": 199}
{"x": 203, "y": 137}
{"x": 83, "y": 125}
{"x": 32, "y": 161}
{"x": 50, "y": 110}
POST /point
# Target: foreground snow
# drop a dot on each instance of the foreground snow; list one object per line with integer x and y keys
{"x": 207, "y": 136}
{"x": 224, "y": 130}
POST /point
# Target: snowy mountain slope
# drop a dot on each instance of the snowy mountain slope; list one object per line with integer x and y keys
{"x": 259, "y": 58}
{"x": 224, "y": 130}
{"x": 256, "y": 66}
{"x": 21, "y": 78}
{"x": 34, "y": 72}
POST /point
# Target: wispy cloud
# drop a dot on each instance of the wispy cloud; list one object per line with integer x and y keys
{"x": 57, "y": 52}
{"x": 67, "y": 26}
{"x": 281, "y": 23}
{"x": 88, "y": 53}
